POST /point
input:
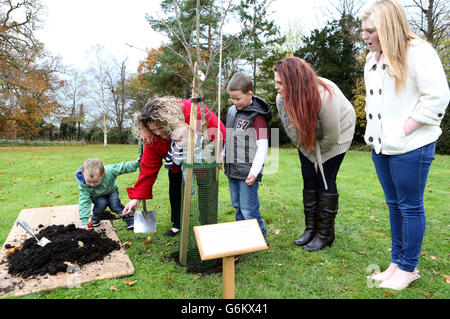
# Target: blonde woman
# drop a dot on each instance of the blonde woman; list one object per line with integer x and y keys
{"x": 406, "y": 97}
{"x": 162, "y": 123}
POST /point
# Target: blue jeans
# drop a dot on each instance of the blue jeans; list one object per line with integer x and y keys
{"x": 246, "y": 201}
{"x": 100, "y": 203}
{"x": 403, "y": 179}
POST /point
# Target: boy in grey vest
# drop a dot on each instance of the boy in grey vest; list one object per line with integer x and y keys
{"x": 246, "y": 147}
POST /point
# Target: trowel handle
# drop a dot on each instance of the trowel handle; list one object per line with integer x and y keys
{"x": 144, "y": 206}
{"x": 25, "y": 226}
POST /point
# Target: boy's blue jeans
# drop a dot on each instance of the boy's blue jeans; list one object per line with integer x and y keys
{"x": 100, "y": 203}
{"x": 246, "y": 201}
{"x": 403, "y": 179}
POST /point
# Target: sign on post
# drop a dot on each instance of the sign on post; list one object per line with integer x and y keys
{"x": 227, "y": 240}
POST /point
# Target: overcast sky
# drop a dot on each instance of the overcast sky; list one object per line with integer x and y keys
{"x": 72, "y": 27}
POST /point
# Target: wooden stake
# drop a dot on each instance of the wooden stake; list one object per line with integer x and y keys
{"x": 228, "y": 277}
{"x": 188, "y": 181}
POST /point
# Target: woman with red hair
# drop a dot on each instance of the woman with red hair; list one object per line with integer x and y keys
{"x": 320, "y": 121}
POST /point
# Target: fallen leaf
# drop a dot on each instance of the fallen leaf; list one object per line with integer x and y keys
{"x": 446, "y": 277}
{"x": 127, "y": 244}
{"x": 148, "y": 241}
{"x": 112, "y": 288}
{"x": 11, "y": 251}
{"x": 276, "y": 232}
{"x": 361, "y": 252}
{"x": 388, "y": 293}
{"x": 344, "y": 289}
{"x": 129, "y": 283}
{"x": 433, "y": 257}
{"x": 170, "y": 280}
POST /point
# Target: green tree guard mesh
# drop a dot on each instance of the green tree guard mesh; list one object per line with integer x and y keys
{"x": 203, "y": 207}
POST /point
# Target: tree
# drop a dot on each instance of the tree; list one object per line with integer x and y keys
{"x": 333, "y": 52}
{"x": 431, "y": 18}
{"x": 99, "y": 78}
{"x": 117, "y": 85}
{"x": 72, "y": 96}
{"x": 264, "y": 33}
{"x": 195, "y": 29}
{"x": 27, "y": 73}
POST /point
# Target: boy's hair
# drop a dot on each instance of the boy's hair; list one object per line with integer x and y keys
{"x": 240, "y": 82}
{"x": 92, "y": 167}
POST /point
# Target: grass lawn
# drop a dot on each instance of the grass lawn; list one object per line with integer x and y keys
{"x": 44, "y": 176}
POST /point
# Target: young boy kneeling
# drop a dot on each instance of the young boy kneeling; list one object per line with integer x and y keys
{"x": 97, "y": 185}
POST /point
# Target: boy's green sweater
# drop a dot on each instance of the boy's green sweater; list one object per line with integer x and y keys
{"x": 107, "y": 186}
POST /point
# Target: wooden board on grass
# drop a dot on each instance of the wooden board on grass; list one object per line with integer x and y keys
{"x": 116, "y": 264}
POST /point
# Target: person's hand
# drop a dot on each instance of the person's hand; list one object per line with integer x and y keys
{"x": 131, "y": 206}
{"x": 250, "y": 179}
{"x": 410, "y": 126}
{"x": 138, "y": 160}
{"x": 85, "y": 227}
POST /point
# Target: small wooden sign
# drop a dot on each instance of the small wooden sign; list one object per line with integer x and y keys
{"x": 227, "y": 240}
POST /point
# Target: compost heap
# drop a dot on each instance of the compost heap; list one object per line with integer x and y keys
{"x": 69, "y": 245}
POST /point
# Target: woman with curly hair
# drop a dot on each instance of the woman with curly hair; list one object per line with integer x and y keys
{"x": 163, "y": 123}
{"x": 320, "y": 121}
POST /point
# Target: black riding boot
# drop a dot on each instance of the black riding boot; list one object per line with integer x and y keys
{"x": 310, "y": 204}
{"x": 328, "y": 207}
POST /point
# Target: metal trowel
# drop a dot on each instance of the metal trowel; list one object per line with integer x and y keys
{"x": 44, "y": 241}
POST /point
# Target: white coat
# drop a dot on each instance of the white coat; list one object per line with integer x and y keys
{"x": 424, "y": 98}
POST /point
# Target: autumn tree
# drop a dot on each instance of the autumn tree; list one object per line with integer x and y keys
{"x": 27, "y": 73}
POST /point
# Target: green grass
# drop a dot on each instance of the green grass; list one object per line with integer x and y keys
{"x": 44, "y": 176}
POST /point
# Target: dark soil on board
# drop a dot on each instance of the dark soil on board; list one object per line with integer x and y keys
{"x": 68, "y": 244}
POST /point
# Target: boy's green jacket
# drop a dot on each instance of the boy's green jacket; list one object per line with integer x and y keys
{"x": 107, "y": 186}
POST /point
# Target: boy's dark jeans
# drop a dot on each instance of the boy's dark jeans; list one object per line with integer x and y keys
{"x": 100, "y": 203}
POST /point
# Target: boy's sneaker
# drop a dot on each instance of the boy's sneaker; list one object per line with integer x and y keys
{"x": 95, "y": 221}
{"x": 130, "y": 222}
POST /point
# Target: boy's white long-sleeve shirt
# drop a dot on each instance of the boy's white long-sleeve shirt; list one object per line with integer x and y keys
{"x": 262, "y": 148}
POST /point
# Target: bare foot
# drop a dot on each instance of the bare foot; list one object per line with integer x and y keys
{"x": 400, "y": 279}
{"x": 385, "y": 274}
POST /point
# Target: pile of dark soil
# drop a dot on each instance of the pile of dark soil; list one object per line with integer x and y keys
{"x": 68, "y": 244}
